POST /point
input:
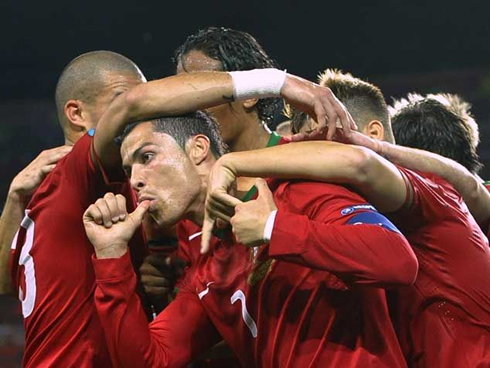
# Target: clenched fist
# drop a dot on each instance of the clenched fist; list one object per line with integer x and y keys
{"x": 109, "y": 227}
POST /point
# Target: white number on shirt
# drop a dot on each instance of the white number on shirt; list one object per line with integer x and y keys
{"x": 27, "y": 261}
{"x": 252, "y": 326}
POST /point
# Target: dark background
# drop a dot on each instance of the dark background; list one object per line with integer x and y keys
{"x": 423, "y": 46}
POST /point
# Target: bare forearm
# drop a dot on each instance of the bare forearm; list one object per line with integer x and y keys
{"x": 165, "y": 97}
{"x": 378, "y": 180}
{"x": 468, "y": 185}
{"x": 10, "y": 220}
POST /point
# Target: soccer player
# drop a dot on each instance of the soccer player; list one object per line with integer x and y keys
{"x": 243, "y": 126}
{"x": 444, "y": 319}
{"x": 50, "y": 252}
{"x": 276, "y": 305}
{"x": 20, "y": 191}
{"x": 442, "y": 124}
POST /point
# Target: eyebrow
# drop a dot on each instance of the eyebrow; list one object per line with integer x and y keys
{"x": 135, "y": 154}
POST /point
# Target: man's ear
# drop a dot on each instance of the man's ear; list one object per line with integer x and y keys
{"x": 250, "y": 103}
{"x": 374, "y": 130}
{"x": 77, "y": 115}
{"x": 198, "y": 148}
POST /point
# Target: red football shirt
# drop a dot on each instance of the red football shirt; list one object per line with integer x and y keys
{"x": 487, "y": 185}
{"x": 444, "y": 318}
{"x": 274, "y": 312}
{"x": 51, "y": 265}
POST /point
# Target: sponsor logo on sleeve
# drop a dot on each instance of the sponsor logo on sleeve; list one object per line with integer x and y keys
{"x": 351, "y": 209}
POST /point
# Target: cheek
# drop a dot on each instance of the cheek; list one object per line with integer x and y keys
{"x": 227, "y": 120}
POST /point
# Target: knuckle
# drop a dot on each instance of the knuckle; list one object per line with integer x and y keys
{"x": 109, "y": 195}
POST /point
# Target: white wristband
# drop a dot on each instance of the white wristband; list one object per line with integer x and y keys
{"x": 257, "y": 83}
{"x": 269, "y": 226}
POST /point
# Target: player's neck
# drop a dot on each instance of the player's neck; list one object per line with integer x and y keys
{"x": 254, "y": 137}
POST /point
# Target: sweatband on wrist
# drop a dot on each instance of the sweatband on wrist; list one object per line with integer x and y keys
{"x": 269, "y": 226}
{"x": 257, "y": 83}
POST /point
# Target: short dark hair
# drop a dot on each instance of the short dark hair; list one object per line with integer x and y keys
{"x": 83, "y": 78}
{"x": 183, "y": 127}
{"x": 438, "y": 123}
{"x": 364, "y": 101}
{"x": 235, "y": 50}
{"x": 297, "y": 118}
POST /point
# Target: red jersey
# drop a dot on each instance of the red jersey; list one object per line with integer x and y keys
{"x": 51, "y": 265}
{"x": 444, "y": 318}
{"x": 268, "y": 307}
{"x": 487, "y": 185}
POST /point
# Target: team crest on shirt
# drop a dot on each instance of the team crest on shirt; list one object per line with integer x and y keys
{"x": 357, "y": 207}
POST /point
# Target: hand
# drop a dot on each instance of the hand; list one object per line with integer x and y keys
{"x": 359, "y": 139}
{"x": 27, "y": 181}
{"x": 220, "y": 205}
{"x": 249, "y": 221}
{"x": 109, "y": 227}
{"x": 319, "y": 103}
{"x": 159, "y": 273}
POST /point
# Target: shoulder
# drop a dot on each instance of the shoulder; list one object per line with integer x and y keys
{"x": 314, "y": 198}
{"x": 311, "y": 190}
{"x": 429, "y": 185}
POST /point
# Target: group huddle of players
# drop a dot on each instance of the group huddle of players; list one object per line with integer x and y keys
{"x": 329, "y": 246}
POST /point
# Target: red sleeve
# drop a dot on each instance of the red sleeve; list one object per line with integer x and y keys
{"x": 430, "y": 196}
{"x": 487, "y": 225}
{"x": 333, "y": 229}
{"x": 179, "y": 334}
{"x": 90, "y": 179}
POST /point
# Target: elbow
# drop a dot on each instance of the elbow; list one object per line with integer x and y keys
{"x": 363, "y": 163}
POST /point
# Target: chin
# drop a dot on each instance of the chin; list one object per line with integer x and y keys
{"x": 163, "y": 220}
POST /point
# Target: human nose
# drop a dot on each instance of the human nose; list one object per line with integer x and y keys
{"x": 137, "y": 179}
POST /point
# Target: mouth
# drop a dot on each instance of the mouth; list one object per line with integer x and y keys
{"x": 145, "y": 198}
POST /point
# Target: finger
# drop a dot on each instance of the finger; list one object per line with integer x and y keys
{"x": 345, "y": 122}
{"x": 106, "y": 213}
{"x": 160, "y": 292}
{"x": 321, "y": 117}
{"x": 207, "y": 233}
{"x": 262, "y": 188}
{"x": 158, "y": 281}
{"x": 154, "y": 260}
{"x": 93, "y": 214}
{"x": 332, "y": 119}
{"x": 218, "y": 214}
{"x": 47, "y": 169}
{"x": 298, "y": 137}
{"x": 225, "y": 199}
{"x": 139, "y": 212}
{"x": 150, "y": 269}
{"x": 121, "y": 204}
{"x": 56, "y": 154}
{"x": 112, "y": 204}
{"x": 220, "y": 207}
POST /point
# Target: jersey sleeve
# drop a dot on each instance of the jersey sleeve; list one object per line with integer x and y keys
{"x": 178, "y": 334}
{"x": 428, "y": 200}
{"x": 332, "y": 229}
{"x": 89, "y": 178}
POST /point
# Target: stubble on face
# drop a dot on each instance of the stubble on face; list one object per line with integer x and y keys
{"x": 161, "y": 172}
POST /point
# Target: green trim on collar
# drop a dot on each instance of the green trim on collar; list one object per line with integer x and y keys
{"x": 273, "y": 141}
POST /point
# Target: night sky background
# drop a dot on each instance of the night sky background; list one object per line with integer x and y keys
{"x": 403, "y": 46}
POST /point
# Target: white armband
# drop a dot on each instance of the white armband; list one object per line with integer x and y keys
{"x": 269, "y": 226}
{"x": 257, "y": 83}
